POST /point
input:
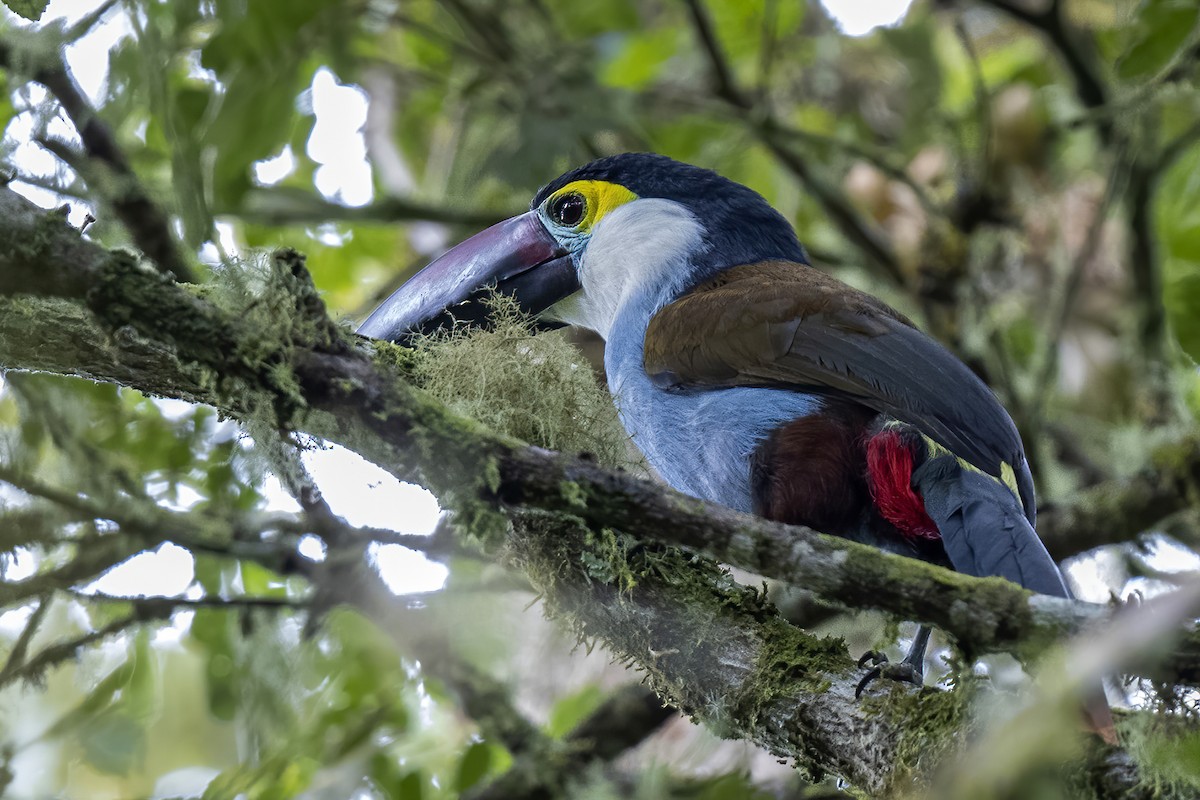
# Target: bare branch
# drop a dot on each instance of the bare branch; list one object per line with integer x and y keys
{"x": 155, "y": 606}
{"x": 284, "y": 206}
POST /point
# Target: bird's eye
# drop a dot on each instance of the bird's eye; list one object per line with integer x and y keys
{"x": 569, "y": 209}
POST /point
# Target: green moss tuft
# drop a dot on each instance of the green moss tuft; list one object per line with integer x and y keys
{"x": 393, "y": 358}
{"x": 1166, "y": 748}
{"x": 538, "y": 389}
{"x": 791, "y": 660}
{"x": 933, "y": 725}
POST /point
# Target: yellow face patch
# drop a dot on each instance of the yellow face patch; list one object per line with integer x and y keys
{"x": 599, "y": 198}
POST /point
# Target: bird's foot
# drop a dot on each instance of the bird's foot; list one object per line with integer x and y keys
{"x": 908, "y": 671}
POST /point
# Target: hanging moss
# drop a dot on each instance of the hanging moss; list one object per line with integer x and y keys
{"x": 1166, "y": 748}
{"x": 536, "y": 388}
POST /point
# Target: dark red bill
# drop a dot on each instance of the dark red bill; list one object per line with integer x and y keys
{"x": 517, "y": 257}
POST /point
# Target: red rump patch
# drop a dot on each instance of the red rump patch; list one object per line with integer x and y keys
{"x": 889, "y": 469}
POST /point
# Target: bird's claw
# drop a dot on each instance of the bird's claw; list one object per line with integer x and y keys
{"x": 904, "y": 671}
{"x": 873, "y": 657}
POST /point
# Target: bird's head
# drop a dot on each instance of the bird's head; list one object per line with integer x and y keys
{"x": 631, "y": 225}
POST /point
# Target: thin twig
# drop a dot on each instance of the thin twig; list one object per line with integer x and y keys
{"x": 871, "y": 155}
{"x": 16, "y": 656}
{"x": 85, "y": 24}
{"x": 154, "y": 605}
{"x": 1061, "y": 311}
{"x": 839, "y": 208}
{"x": 1145, "y": 266}
{"x": 51, "y": 185}
{"x": 982, "y": 101}
{"x": 725, "y": 86}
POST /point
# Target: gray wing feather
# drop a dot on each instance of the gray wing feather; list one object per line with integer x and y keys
{"x": 917, "y": 381}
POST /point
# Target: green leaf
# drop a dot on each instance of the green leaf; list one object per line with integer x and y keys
{"x": 142, "y": 696}
{"x": 95, "y": 703}
{"x": 385, "y": 774}
{"x": 473, "y": 766}
{"x": 1162, "y": 27}
{"x": 571, "y": 710}
{"x": 1177, "y": 218}
{"x": 641, "y": 60}
{"x": 214, "y": 630}
{"x": 113, "y": 742}
{"x": 1181, "y": 296}
{"x": 1183, "y": 242}
{"x": 29, "y": 9}
{"x": 411, "y": 787}
{"x": 259, "y": 581}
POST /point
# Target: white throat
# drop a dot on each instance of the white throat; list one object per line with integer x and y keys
{"x": 639, "y": 250}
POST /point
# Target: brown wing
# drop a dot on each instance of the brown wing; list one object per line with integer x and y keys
{"x": 778, "y": 323}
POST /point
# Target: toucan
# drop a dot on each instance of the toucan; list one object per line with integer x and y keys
{"x": 750, "y": 378}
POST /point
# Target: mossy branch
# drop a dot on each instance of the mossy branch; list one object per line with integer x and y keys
{"x": 1117, "y": 511}
{"x": 713, "y": 648}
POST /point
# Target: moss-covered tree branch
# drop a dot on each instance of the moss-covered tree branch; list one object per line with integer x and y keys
{"x": 1117, "y": 511}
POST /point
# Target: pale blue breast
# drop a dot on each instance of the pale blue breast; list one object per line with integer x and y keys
{"x": 699, "y": 441}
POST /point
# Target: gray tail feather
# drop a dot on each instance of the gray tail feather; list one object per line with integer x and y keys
{"x": 985, "y": 532}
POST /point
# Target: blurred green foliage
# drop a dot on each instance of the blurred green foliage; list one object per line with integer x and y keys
{"x": 958, "y": 137}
